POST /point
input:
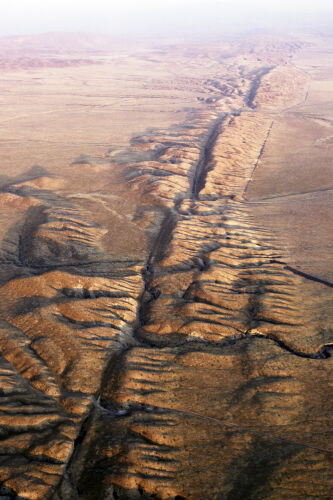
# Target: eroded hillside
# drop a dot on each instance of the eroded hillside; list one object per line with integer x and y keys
{"x": 162, "y": 335}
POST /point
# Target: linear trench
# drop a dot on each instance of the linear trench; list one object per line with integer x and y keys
{"x": 197, "y": 180}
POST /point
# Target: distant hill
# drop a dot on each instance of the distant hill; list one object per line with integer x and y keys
{"x": 58, "y": 42}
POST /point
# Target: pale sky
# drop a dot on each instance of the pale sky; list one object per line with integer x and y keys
{"x": 164, "y": 18}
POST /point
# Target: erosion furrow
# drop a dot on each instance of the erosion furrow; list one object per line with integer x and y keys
{"x": 150, "y": 372}
{"x": 203, "y": 165}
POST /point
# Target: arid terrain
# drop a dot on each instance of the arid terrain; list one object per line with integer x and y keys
{"x": 166, "y": 278}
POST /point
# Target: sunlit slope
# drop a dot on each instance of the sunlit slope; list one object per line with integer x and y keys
{"x": 157, "y": 339}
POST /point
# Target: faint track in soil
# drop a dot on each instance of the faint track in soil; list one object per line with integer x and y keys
{"x": 258, "y": 159}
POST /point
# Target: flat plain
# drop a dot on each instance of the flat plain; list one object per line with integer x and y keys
{"x": 166, "y": 282}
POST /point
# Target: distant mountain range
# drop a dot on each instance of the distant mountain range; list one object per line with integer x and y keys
{"x": 59, "y": 42}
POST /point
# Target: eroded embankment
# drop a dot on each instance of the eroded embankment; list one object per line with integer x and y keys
{"x": 150, "y": 378}
{"x": 224, "y": 330}
{"x": 255, "y": 84}
{"x": 204, "y": 164}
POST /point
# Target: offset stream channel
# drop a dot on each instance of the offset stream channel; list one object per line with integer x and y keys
{"x": 105, "y": 408}
{"x": 158, "y": 340}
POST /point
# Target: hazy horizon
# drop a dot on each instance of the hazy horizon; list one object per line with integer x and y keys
{"x": 188, "y": 18}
